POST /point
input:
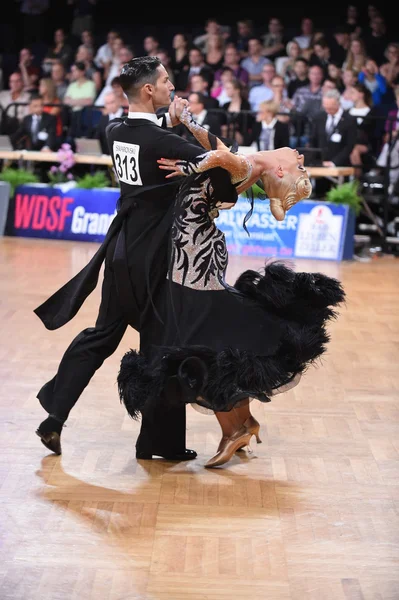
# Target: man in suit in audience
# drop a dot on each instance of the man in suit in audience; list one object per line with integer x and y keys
{"x": 210, "y": 121}
{"x": 37, "y": 130}
{"x": 112, "y": 110}
{"x": 334, "y": 131}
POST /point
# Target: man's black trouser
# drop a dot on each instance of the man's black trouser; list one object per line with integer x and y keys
{"x": 165, "y": 431}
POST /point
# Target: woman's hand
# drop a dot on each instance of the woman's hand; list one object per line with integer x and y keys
{"x": 173, "y": 165}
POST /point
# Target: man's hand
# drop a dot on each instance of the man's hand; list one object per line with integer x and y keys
{"x": 176, "y": 108}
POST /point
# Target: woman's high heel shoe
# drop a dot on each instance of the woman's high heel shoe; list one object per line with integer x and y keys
{"x": 228, "y": 446}
{"x": 252, "y": 425}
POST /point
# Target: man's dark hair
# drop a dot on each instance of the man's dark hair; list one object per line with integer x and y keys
{"x": 80, "y": 65}
{"x": 201, "y": 98}
{"x": 137, "y": 72}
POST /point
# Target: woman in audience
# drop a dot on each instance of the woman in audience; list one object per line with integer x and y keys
{"x": 179, "y": 56}
{"x": 60, "y": 51}
{"x": 285, "y": 64}
{"x": 356, "y": 57}
{"x": 48, "y": 93}
{"x": 374, "y": 81}
{"x": 362, "y": 155}
{"x": 239, "y": 119}
{"x": 214, "y": 51}
{"x": 334, "y": 73}
{"x": 349, "y": 78}
{"x": 218, "y": 89}
{"x": 390, "y": 69}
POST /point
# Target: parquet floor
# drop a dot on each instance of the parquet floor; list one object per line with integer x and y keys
{"x": 312, "y": 516}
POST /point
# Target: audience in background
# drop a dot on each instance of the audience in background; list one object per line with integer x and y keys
{"x": 228, "y": 74}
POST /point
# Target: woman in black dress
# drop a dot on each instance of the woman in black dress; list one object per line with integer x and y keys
{"x": 223, "y": 345}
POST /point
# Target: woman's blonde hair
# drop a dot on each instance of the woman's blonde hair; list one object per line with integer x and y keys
{"x": 286, "y": 191}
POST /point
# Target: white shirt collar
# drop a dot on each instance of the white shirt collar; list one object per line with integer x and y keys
{"x": 269, "y": 125}
{"x": 200, "y": 117}
{"x": 335, "y": 118}
{"x": 141, "y": 115}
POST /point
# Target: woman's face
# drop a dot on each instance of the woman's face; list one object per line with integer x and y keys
{"x": 333, "y": 71}
{"x": 348, "y": 78}
{"x": 356, "y": 47}
{"x": 42, "y": 88}
{"x": 229, "y": 89}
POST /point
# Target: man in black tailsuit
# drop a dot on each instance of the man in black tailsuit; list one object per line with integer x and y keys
{"x": 135, "y": 254}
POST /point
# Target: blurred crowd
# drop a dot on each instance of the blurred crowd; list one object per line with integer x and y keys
{"x": 333, "y": 91}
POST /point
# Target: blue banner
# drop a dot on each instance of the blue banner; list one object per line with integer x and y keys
{"x": 64, "y": 214}
{"x": 310, "y": 229}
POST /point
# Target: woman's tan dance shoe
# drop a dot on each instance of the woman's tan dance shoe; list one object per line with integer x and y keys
{"x": 228, "y": 446}
{"x": 252, "y": 425}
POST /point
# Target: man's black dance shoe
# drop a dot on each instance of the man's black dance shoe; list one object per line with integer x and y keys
{"x": 185, "y": 455}
{"x": 49, "y": 432}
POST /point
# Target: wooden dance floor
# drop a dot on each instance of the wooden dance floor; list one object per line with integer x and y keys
{"x": 312, "y": 515}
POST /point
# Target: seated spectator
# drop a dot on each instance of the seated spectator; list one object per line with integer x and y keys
{"x": 373, "y": 80}
{"x": 11, "y": 115}
{"x": 356, "y": 57}
{"x": 268, "y": 132}
{"x": 365, "y": 149}
{"x": 334, "y": 73}
{"x": 334, "y": 131}
{"x": 214, "y": 51}
{"x": 48, "y": 93}
{"x": 392, "y": 121}
{"x": 119, "y": 93}
{"x": 255, "y": 62}
{"x": 260, "y": 93}
{"x": 340, "y": 44}
{"x": 112, "y": 110}
{"x": 349, "y": 78}
{"x": 60, "y": 51}
{"x": 58, "y": 76}
{"x": 81, "y": 91}
{"x": 321, "y": 55}
{"x": 218, "y": 90}
{"x": 151, "y": 45}
{"x": 103, "y": 56}
{"x": 231, "y": 60}
{"x": 179, "y": 54}
{"x": 305, "y": 38}
{"x": 390, "y": 69}
{"x": 30, "y": 72}
{"x": 298, "y": 77}
{"x": 197, "y": 65}
{"x": 274, "y": 41}
{"x": 285, "y": 64}
{"x": 85, "y": 55}
{"x": 200, "y": 84}
{"x": 200, "y": 114}
{"x": 245, "y": 31}
{"x": 164, "y": 57}
{"x": 37, "y": 130}
{"x": 124, "y": 55}
{"x": 239, "y": 119}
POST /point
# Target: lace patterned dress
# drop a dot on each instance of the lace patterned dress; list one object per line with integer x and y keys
{"x": 219, "y": 344}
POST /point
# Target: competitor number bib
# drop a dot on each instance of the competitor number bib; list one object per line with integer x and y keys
{"x": 126, "y": 158}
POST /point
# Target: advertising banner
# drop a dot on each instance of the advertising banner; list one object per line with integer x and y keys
{"x": 311, "y": 229}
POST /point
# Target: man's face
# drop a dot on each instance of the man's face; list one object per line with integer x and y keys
{"x": 330, "y": 105}
{"x": 195, "y": 57}
{"x": 36, "y": 107}
{"x": 57, "y": 72}
{"x": 16, "y": 83}
{"x": 195, "y": 106}
{"x": 198, "y": 84}
{"x": 315, "y": 75}
{"x": 268, "y": 72}
{"x": 111, "y": 104}
{"x": 162, "y": 89}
